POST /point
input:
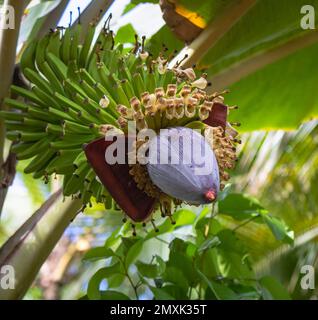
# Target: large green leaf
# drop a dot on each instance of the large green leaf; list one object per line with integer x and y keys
{"x": 273, "y": 290}
{"x": 152, "y": 270}
{"x": 125, "y": 34}
{"x": 98, "y": 253}
{"x": 273, "y": 96}
{"x": 279, "y": 229}
{"x": 240, "y": 206}
{"x": 161, "y": 294}
{"x": 208, "y": 10}
{"x": 164, "y": 37}
{"x": 133, "y": 252}
{"x": 266, "y": 25}
{"x": 264, "y": 57}
{"x": 220, "y": 291}
{"x": 280, "y": 95}
{"x": 32, "y": 17}
{"x": 182, "y": 218}
{"x": 93, "y": 290}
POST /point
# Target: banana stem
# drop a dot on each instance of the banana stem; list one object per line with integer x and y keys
{"x": 32, "y": 243}
{"x": 8, "y": 44}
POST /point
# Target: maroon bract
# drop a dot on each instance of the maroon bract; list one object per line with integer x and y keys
{"x": 217, "y": 116}
{"x": 119, "y": 183}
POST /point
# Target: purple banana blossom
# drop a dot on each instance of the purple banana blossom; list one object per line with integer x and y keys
{"x": 183, "y": 165}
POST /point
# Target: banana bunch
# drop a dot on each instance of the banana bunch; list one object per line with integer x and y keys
{"x": 81, "y": 90}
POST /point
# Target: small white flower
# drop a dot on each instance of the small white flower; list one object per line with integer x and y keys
{"x": 189, "y": 72}
{"x": 162, "y": 65}
{"x": 144, "y": 55}
{"x": 104, "y": 102}
{"x": 152, "y": 99}
{"x": 200, "y": 83}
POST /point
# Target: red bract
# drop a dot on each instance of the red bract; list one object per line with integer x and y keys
{"x": 218, "y": 116}
{"x": 119, "y": 183}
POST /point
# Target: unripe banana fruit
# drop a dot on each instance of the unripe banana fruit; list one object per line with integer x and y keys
{"x": 81, "y": 90}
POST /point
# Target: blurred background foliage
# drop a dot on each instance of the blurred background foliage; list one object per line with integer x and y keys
{"x": 237, "y": 249}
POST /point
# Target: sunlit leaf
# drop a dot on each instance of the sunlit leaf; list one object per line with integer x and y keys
{"x": 134, "y": 252}
{"x": 152, "y": 270}
{"x": 34, "y": 13}
{"x": 93, "y": 290}
{"x": 98, "y": 253}
{"x": 125, "y": 34}
{"x": 113, "y": 295}
{"x": 182, "y": 217}
{"x": 240, "y": 206}
{"x": 220, "y": 291}
{"x": 161, "y": 294}
{"x": 209, "y": 243}
{"x": 279, "y": 229}
{"x": 273, "y": 290}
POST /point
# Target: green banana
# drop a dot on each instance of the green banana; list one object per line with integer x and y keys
{"x": 20, "y": 147}
{"x": 33, "y": 149}
{"x": 108, "y": 202}
{"x": 75, "y": 182}
{"x": 75, "y": 38}
{"x": 31, "y": 136}
{"x": 54, "y": 129}
{"x": 14, "y": 116}
{"x": 86, "y": 77}
{"x": 63, "y": 162}
{"x": 76, "y": 128}
{"x": 138, "y": 85}
{"x": 40, "y": 52}
{"x": 34, "y": 123}
{"x": 86, "y": 196}
{"x": 87, "y": 118}
{"x": 59, "y": 115}
{"x": 19, "y": 126}
{"x": 28, "y": 56}
{"x": 86, "y": 104}
{"x": 67, "y": 103}
{"x": 83, "y": 58}
{"x": 82, "y": 170}
{"x": 122, "y": 97}
{"x": 66, "y": 46}
{"x": 46, "y": 99}
{"x": 167, "y": 78}
{"x": 13, "y": 135}
{"x": 40, "y": 161}
{"x": 37, "y": 113}
{"x": 150, "y": 82}
{"x": 73, "y": 87}
{"x": 72, "y": 71}
{"x": 39, "y": 174}
{"x": 57, "y": 65}
{"x": 106, "y": 80}
{"x": 26, "y": 94}
{"x": 79, "y": 160}
{"x": 15, "y": 104}
{"x": 54, "y": 43}
{"x": 37, "y": 80}
{"x": 128, "y": 89}
{"x": 90, "y": 92}
{"x": 52, "y": 78}
{"x": 90, "y": 176}
{"x": 71, "y": 143}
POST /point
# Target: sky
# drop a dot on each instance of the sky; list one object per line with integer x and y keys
{"x": 145, "y": 18}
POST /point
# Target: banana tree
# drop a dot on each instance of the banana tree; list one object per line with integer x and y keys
{"x": 245, "y": 45}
